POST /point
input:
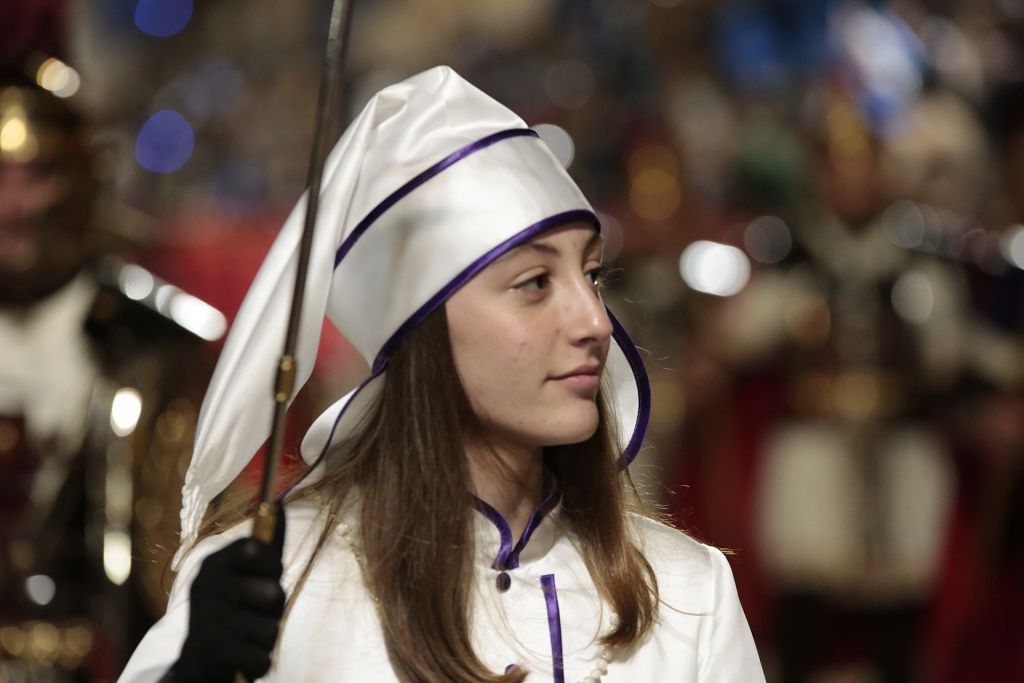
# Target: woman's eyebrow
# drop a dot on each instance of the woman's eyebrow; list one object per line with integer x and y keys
{"x": 548, "y": 249}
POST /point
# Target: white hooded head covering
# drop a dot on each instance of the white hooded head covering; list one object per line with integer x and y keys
{"x": 432, "y": 182}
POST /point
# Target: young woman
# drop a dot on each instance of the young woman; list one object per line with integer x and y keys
{"x": 467, "y": 516}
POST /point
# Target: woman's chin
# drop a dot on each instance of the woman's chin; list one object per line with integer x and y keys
{"x": 575, "y": 431}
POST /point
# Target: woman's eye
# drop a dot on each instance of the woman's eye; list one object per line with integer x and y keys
{"x": 598, "y": 276}
{"x": 535, "y": 283}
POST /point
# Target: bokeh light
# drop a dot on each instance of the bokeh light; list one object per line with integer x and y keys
{"x": 558, "y": 141}
{"x": 904, "y": 224}
{"x": 767, "y": 239}
{"x": 40, "y": 589}
{"x": 57, "y": 77}
{"x": 162, "y": 18}
{"x": 197, "y": 316}
{"x": 165, "y": 142}
{"x": 886, "y": 54}
{"x": 611, "y": 231}
{"x": 655, "y": 192}
{"x": 913, "y": 297}
{"x": 714, "y": 268}
{"x": 136, "y": 282}
{"x": 13, "y": 134}
{"x": 1012, "y": 246}
{"x": 125, "y": 410}
{"x": 117, "y": 556}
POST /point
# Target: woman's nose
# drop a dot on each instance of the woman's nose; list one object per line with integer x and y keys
{"x": 588, "y": 317}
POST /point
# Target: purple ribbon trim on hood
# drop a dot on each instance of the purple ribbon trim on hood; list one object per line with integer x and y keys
{"x": 409, "y": 186}
{"x": 470, "y": 272}
{"x": 643, "y": 387}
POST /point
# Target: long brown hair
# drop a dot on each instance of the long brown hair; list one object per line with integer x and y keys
{"x": 410, "y": 471}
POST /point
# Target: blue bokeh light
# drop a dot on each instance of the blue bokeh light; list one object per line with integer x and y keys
{"x": 165, "y": 142}
{"x": 162, "y": 18}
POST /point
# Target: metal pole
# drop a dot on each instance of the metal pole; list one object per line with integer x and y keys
{"x": 284, "y": 386}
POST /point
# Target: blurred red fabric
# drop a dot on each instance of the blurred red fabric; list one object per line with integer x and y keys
{"x": 28, "y": 27}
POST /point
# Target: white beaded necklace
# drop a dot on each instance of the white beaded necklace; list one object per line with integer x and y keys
{"x": 604, "y": 657}
{"x": 600, "y": 667}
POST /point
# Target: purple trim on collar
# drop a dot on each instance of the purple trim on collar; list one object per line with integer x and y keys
{"x": 496, "y": 518}
{"x": 409, "y": 186}
{"x": 546, "y": 506}
{"x": 547, "y": 582}
{"x": 643, "y": 387}
{"x": 467, "y": 274}
{"x": 508, "y": 557}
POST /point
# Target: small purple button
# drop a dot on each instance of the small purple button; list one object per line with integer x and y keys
{"x": 503, "y": 581}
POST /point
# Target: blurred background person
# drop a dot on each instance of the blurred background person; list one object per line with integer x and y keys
{"x": 830, "y": 388}
{"x": 98, "y": 367}
{"x": 977, "y": 630}
{"x": 863, "y": 339}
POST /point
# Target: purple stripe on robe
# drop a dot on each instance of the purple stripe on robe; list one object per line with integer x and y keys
{"x": 547, "y": 582}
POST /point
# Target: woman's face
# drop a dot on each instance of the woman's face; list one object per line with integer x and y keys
{"x": 530, "y": 335}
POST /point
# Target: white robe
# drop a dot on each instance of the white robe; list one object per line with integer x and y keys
{"x": 333, "y": 634}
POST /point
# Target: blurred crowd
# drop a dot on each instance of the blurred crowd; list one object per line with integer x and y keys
{"x": 816, "y": 210}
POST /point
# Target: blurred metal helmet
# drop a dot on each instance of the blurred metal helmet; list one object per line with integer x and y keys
{"x": 47, "y": 186}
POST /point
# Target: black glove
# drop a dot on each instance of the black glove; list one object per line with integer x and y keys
{"x": 236, "y": 606}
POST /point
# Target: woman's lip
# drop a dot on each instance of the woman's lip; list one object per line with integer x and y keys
{"x": 581, "y": 370}
{"x": 583, "y": 382}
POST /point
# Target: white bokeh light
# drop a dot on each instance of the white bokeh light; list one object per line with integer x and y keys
{"x": 125, "y": 410}
{"x": 136, "y": 282}
{"x": 57, "y": 77}
{"x": 558, "y": 141}
{"x": 117, "y": 556}
{"x": 197, "y": 316}
{"x": 714, "y": 268}
{"x": 1012, "y": 246}
{"x": 913, "y": 297}
{"x": 40, "y": 589}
